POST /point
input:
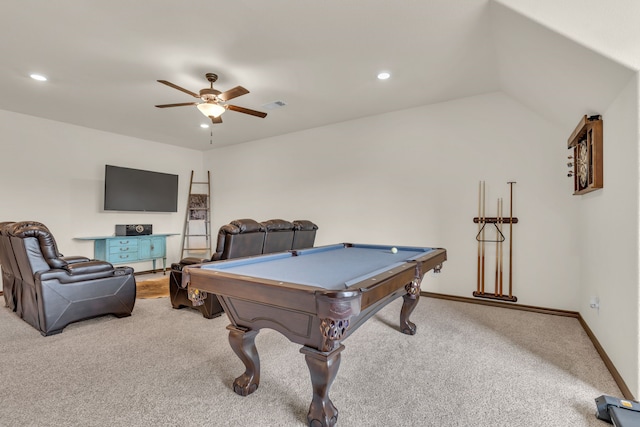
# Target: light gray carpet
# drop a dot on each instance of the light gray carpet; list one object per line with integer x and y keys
{"x": 469, "y": 365}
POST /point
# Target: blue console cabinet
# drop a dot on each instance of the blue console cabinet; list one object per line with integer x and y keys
{"x": 130, "y": 249}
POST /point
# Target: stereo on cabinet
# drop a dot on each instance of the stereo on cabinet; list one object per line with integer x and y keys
{"x": 133, "y": 229}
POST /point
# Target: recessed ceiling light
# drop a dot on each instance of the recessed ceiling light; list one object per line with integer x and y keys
{"x": 38, "y": 77}
{"x": 384, "y": 76}
{"x": 204, "y": 126}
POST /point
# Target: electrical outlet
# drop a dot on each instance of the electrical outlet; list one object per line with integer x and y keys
{"x": 594, "y": 302}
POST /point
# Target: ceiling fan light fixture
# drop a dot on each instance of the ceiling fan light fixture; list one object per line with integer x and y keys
{"x": 210, "y": 109}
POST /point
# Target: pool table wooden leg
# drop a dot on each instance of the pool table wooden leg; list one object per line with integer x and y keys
{"x": 410, "y": 302}
{"x": 323, "y": 368}
{"x": 243, "y": 344}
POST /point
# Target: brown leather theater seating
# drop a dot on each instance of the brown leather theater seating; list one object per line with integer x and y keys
{"x": 242, "y": 238}
{"x": 48, "y": 290}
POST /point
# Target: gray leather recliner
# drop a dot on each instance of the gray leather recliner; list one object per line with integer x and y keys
{"x": 239, "y": 238}
{"x": 242, "y": 238}
{"x": 304, "y": 234}
{"x": 9, "y": 267}
{"x": 52, "y": 291}
{"x": 279, "y": 236}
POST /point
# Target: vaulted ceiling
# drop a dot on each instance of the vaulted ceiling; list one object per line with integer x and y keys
{"x": 321, "y": 59}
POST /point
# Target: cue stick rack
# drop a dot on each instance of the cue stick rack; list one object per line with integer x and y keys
{"x": 494, "y": 235}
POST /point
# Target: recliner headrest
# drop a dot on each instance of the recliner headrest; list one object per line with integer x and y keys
{"x": 17, "y": 226}
{"x": 277, "y": 225}
{"x": 3, "y": 225}
{"x": 47, "y": 243}
{"x": 247, "y": 225}
{"x": 303, "y": 224}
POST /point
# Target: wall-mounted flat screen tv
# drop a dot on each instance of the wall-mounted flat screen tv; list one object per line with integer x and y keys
{"x": 128, "y": 189}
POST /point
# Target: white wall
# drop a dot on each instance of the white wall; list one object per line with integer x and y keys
{"x": 607, "y": 240}
{"x": 54, "y": 173}
{"x": 411, "y": 178}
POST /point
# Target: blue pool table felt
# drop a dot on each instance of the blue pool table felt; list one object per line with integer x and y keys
{"x": 332, "y": 267}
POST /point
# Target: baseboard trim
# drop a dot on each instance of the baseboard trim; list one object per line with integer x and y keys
{"x": 607, "y": 362}
{"x": 626, "y": 392}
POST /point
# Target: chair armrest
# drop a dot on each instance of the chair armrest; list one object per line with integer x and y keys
{"x": 193, "y": 260}
{"x": 89, "y": 267}
{"x": 75, "y": 259}
{"x": 178, "y": 266}
{"x": 78, "y": 272}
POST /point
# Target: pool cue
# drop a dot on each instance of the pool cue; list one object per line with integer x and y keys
{"x": 500, "y": 220}
{"x": 482, "y": 235}
{"x": 511, "y": 238}
{"x": 479, "y": 225}
{"x": 495, "y": 288}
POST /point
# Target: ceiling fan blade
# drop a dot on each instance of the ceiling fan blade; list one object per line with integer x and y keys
{"x": 176, "y": 105}
{"x": 233, "y": 93}
{"x": 215, "y": 120}
{"x": 188, "y": 92}
{"x": 247, "y": 111}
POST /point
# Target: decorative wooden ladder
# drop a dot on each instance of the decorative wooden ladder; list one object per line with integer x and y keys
{"x": 198, "y": 212}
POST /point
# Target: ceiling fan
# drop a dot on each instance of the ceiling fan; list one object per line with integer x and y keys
{"x": 213, "y": 101}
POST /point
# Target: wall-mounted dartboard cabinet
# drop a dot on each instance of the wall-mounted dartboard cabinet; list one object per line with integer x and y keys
{"x": 586, "y": 143}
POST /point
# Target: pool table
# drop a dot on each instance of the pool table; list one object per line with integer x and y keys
{"x": 315, "y": 297}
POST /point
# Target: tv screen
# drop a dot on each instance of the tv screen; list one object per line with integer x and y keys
{"x": 128, "y": 189}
